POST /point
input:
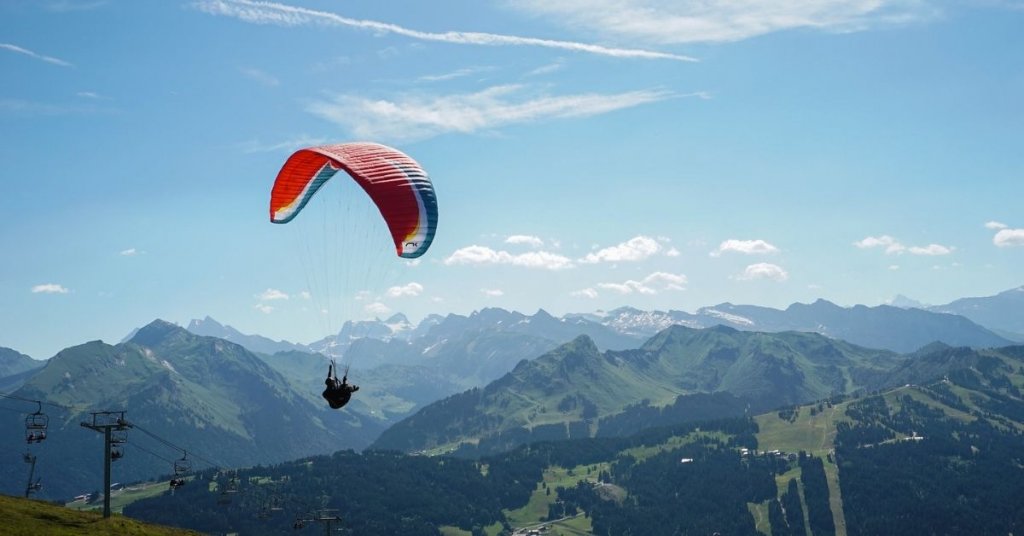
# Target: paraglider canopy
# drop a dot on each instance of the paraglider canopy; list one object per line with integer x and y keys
{"x": 398, "y": 186}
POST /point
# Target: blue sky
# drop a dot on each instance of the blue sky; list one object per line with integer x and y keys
{"x": 586, "y": 154}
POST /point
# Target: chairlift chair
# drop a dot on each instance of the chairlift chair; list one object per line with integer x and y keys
{"x": 116, "y": 452}
{"x": 182, "y": 466}
{"x": 36, "y": 424}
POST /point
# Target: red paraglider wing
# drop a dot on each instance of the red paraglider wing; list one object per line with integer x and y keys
{"x": 397, "y": 184}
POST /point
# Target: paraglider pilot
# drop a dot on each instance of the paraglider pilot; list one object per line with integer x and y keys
{"x": 338, "y": 392}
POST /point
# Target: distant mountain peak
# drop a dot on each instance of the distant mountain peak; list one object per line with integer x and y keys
{"x": 207, "y": 321}
{"x": 397, "y": 318}
{"x": 904, "y": 302}
{"x": 157, "y": 332}
{"x": 542, "y": 314}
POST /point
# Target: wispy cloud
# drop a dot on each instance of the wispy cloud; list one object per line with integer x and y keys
{"x": 659, "y": 21}
{"x": 50, "y": 288}
{"x": 256, "y": 146}
{"x": 492, "y": 292}
{"x": 531, "y": 241}
{"x": 260, "y": 76}
{"x": 412, "y": 289}
{"x": 286, "y": 15}
{"x": 552, "y": 67}
{"x": 476, "y": 255}
{"x": 130, "y": 252}
{"x": 652, "y": 284}
{"x": 1007, "y": 238}
{"x": 995, "y": 225}
{"x": 763, "y": 270}
{"x": 271, "y": 294}
{"x": 264, "y": 308}
{"x": 748, "y": 247}
{"x": 635, "y": 249}
{"x": 458, "y": 73}
{"x": 29, "y": 53}
{"x": 412, "y": 117}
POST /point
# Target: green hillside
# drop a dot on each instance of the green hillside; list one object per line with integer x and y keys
{"x": 978, "y": 391}
{"x": 24, "y": 517}
{"x": 575, "y": 386}
{"x": 209, "y": 395}
{"x": 942, "y": 456}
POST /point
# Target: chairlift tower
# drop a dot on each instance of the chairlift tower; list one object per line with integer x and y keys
{"x": 107, "y": 422}
{"x": 31, "y": 487}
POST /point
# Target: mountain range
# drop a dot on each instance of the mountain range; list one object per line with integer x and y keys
{"x": 901, "y": 326}
{"x": 204, "y": 393}
{"x": 15, "y": 369}
{"x": 1002, "y": 313}
{"x": 256, "y": 400}
{"x": 576, "y": 386}
{"x": 937, "y": 457}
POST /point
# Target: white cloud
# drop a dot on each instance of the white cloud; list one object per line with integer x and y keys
{"x": 748, "y": 247}
{"x": 531, "y": 241}
{"x": 130, "y": 252}
{"x": 271, "y": 294}
{"x": 305, "y": 295}
{"x": 763, "y": 270}
{"x": 1006, "y": 238}
{"x": 458, "y": 73}
{"x": 264, "y": 308}
{"x": 418, "y": 116}
{"x": 412, "y": 289}
{"x": 552, "y": 67}
{"x": 672, "y": 252}
{"x": 584, "y": 293}
{"x": 890, "y": 244}
{"x": 894, "y": 267}
{"x": 89, "y": 95}
{"x": 485, "y": 255}
{"x": 652, "y": 284}
{"x": 377, "y": 308}
{"x": 660, "y": 21}
{"x": 285, "y": 15}
{"x": 29, "y": 53}
{"x": 260, "y": 76}
{"x": 492, "y": 292}
{"x": 931, "y": 249}
{"x": 995, "y": 225}
{"x": 49, "y": 288}
{"x": 637, "y": 248}
{"x": 362, "y": 295}
{"x": 412, "y": 263}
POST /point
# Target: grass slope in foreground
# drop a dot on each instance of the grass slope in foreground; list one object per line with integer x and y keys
{"x": 24, "y": 517}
